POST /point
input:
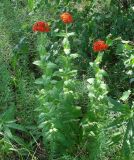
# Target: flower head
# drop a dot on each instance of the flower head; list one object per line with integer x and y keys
{"x": 41, "y": 26}
{"x": 99, "y": 46}
{"x": 66, "y": 17}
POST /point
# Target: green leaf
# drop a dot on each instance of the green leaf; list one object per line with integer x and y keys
{"x": 90, "y": 80}
{"x": 125, "y": 95}
{"x": 66, "y": 45}
{"x": 19, "y": 140}
{"x": 39, "y": 81}
{"x": 51, "y": 65}
{"x": 37, "y": 63}
{"x": 31, "y": 4}
{"x": 116, "y": 137}
{"x": 60, "y": 34}
{"x": 131, "y": 80}
{"x": 16, "y": 126}
{"x": 109, "y": 42}
{"x": 119, "y": 107}
{"x": 71, "y": 34}
{"x": 128, "y": 137}
{"x": 8, "y": 115}
{"x": 7, "y": 132}
{"x": 75, "y": 55}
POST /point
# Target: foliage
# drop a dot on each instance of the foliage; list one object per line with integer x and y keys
{"x": 58, "y": 98}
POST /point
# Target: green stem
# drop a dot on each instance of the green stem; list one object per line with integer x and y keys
{"x": 66, "y": 30}
{"x": 97, "y": 62}
{"x": 99, "y": 57}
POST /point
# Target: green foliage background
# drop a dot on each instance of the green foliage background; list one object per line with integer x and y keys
{"x": 110, "y": 20}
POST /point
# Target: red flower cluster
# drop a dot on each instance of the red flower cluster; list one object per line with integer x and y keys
{"x": 99, "y": 46}
{"x": 66, "y": 17}
{"x": 41, "y": 26}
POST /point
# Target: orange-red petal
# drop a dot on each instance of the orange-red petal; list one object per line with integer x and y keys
{"x": 66, "y": 17}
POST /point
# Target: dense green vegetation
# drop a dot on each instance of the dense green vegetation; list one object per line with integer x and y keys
{"x": 59, "y": 99}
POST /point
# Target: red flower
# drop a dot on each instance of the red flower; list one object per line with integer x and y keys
{"x": 41, "y": 26}
{"x": 66, "y": 17}
{"x": 99, "y": 46}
